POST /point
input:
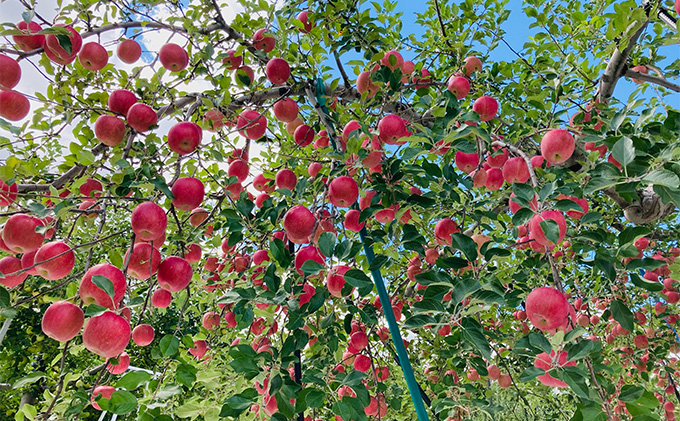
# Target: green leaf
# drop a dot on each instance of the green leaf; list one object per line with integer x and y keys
{"x": 537, "y": 340}
{"x": 271, "y": 279}
{"x": 576, "y": 380}
{"x": 473, "y": 332}
{"x": 121, "y": 402}
{"x": 662, "y": 177}
{"x": 94, "y": 310}
{"x": 315, "y": 398}
{"x": 103, "y": 283}
{"x": 311, "y": 267}
{"x": 237, "y": 404}
{"x": 631, "y": 234}
{"x": 624, "y": 151}
{"x": 378, "y": 262}
{"x": 551, "y": 230}
{"x": 186, "y": 374}
{"x": 280, "y": 253}
{"x": 579, "y": 349}
{"x": 643, "y": 283}
{"x": 530, "y": 374}
{"x": 418, "y": 321}
{"x": 31, "y": 378}
{"x": 327, "y": 243}
{"x": 465, "y": 244}
{"x": 4, "y": 298}
{"x": 169, "y": 345}
{"x": 133, "y": 380}
{"x": 631, "y": 393}
{"x": 622, "y": 314}
{"x": 358, "y": 279}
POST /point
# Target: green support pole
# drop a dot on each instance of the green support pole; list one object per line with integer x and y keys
{"x": 413, "y": 387}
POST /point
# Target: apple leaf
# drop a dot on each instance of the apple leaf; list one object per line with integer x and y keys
{"x": 662, "y": 177}
{"x": 622, "y": 314}
{"x": 473, "y": 332}
{"x": 31, "y": 378}
{"x": 4, "y": 298}
{"x": 105, "y": 284}
{"x": 327, "y": 243}
{"x": 624, "y": 151}
{"x": 644, "y": 283}
{"x": 121, "y": 402}
{"x": 465, "y": 244}
{"x": 65, "y": 43}
{"x": 237, "y": 404}
{"x": 133, "y": 380}
{"x": 169, "y": 345}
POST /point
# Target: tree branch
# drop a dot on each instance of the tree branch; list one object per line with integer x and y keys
{"x": 652, "y": 79}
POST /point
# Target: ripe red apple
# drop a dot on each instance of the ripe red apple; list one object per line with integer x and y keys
{"x": 393, "y": 60}
{"x": 161, "y": 298}
{"x": 188, "y": 192}
{"x": 313, "y": 169}
{"x": 184, "y": 137}
{"x": 303, "y": 135}
{"x": 91, "y": 187}
{"x": 602, "y": 149}
{"x": 639, "y": 69}
{"x": 443, "y": 230}
{"x": 57, "y": 267}
{"x": 199, "y": 349}
{"x": 240, "y": 169}
{"x": 335, "y": 280}
{"x": 547, "y": 308}
{"x": 494, "y": 372}
{"x": 121, "y": 100}
{"x": 263, "y": 40}
{"x": 29, "y": 41}
{"x": 251, "y": 124}
{"x": 516, "y": 170}
{"x": 148, "y": 221}
{"x": 472, "y": 65}
{"x": 352, "y": 220}
{"x": 197, "y": 216}
{"x": 232, "y": 61}
{"x": 299, "y": 223}
{"x": 10, "y": 72}
{"x": 459, "y": 86}
{"x": 13, "y": 105}
{"x": 466, "y": 162}
{"x": 174, "y": 274}
{"x": 358, "y": 341}
{"x": 122, "y": 365}
{"x": 90, "y": 293}
{"x": 365, "y": 84}
{"x": 19, "y": 233}
{"x": 106, "y": 335}
{"x": 55, "y": 52}
{"x": 244, "y": 76}
{"x": 141, "y": 117}
{"x": 104, "y": 391}
{"x": 497, "y": 158}
{"x": 547, "y": 362}
{"x": 286, "y": 179}
{"x": 27, "y": 260}
{"x": 109, "y": 130}
{"x": 479, "y": 178}
{"x": 536, "y": 232}
{"x": 343, "y": 191}
{"x": 8, "y": 265}
{"x": 143, "y": 334}
{"x": 308, "y": 253}
{"x": 277, "y": 70}
{"x": 93, "y": 56}
{"x": 193, "y": 253}
{"x": 486, "y": 107}
{"x": 144, "y": 261}
{"x": 173, "y": 57}
{"x": 129, "y": 51}
{"x": 557, "y": 146}
{"x": 392, "y": 128}
{"x": 8, "y": 194}
{"x": 62, "y": 321}
{"x": 362, "y": 363}
{"x": 306, "y": 24}
{"x": 285, "y": 110}
{"x": 210, "y": 320}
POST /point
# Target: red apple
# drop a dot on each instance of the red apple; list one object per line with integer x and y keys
{"x": 472, "y": 65}
{"x": 303, "y": 135}
{"x": 639, "y": 69}
{"x": 57, "y": 267}
{"x": 141, "y": 117}
{"x": 245, "y": 76}
{"x": 365, "y": 84}
{"x": 362, "y": 363}
{"x": 393, "y": 60}
{"x": 516, "y": 170}
{"x": 358, "y": 341}
{"x": 148, "y": 221}
{"x": 497, "y": 159}
{"x": 211, "y": 320}
{"x": 143, "y": 334}
{"x": 547, "y": 308}
{"x": 8, "y": 194}
{"x": 199, "y": 349}
{"x": 188, "y": 192}
{"x": 232, "y": 61}
{"x": 8, "y": 265}
{"x": 13, "y": 105}
{"x": 91, "y": 187}
{"x": 313, "y": 169}
{"x": 193, "y": 253}
{"x": 54, "y": 50}
{"x": 10, "y": 72}
{"x": 557, "y": 146}
{"x": 109, "y": 130}
{"x": 335, "y": 280}
{"x": 174, "y": 274}
{"x": 343, "y": 191}
{"x": 352, "y": 220}
{"x": 144, "y": 261}
{"x": 479, "y": 178}
{"x": 547, "y": 362}
{"x": 308, "y": 253}
{"x": 392, "y": 128}
{"x": 299, "y": 223}
{"x": 184, "y": 137}
{"x": 240, "y": 169}
{"x": 306, "y": 24}
{"x": 173, "y": 57}
{"x": 466, "y": 162}
{"x": 262, "y": 40}
{"x": 62, "y": 321}
{"x": 122, "y": 365}
{"x": 161, "y": 298}
{"x": 443, "y": 230}
{"x": 197, "y": 216}
{"x": 129, "y": 51}
{"x": 19, "y": 233}
{"x": 106, "y": 335}
{"x": 277, "y": 70}
{"x": 286, "y": 179}
{"x": 121, "y": 100}
{"x": 29, "y": 41}
{"x": 285, "y": 110}
{"x": 251, "y": 124}
{"x": 90, "y": 293}
{"x": 93, "y": 56}
{"x": 486, "y": 107}
{"x": 27, "y": 260}
{"x": 536, "y": 232}
{"x": 459, "y": 86}
{"x": 103, "y": 391}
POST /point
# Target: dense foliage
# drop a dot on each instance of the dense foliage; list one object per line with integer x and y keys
{"x": 228, "y": 190}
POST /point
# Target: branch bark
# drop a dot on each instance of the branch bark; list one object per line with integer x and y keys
{"x": 658, "y": 80}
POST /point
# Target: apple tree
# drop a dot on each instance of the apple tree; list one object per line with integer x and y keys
{"x": 331, "y": 209}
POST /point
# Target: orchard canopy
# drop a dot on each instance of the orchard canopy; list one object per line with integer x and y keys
{"x": 339, "y": 210}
